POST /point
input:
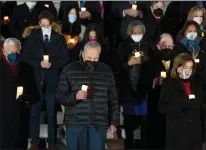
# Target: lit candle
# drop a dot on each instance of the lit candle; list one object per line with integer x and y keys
{"x": 191, "y": 96}
{"x": 137, "y": 54}
{"x": 84, "y": 87}
{"x": 71, "y": 41}
{"x": 46, "y": 58}
{"x": 134, "y": 7}
{"x": 19, "y": 91}
{"x": 46, "y": 5}
{"x": 197, "y": 61}
{"x": 83, "y": 9}
{"x": 6, "y": 18}
{"x": 163, "y": 74}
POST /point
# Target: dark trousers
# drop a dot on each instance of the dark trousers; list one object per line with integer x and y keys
{"x": 86, "y": 138}
{"x": 131, "y": 123}
{"x": 51, "y": 115}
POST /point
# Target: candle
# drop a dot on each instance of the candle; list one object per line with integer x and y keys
{"x": 84, "y": 87}
{"x": 134, "y": 7}
{"x": 83, "y": 9}
{"x": 71, "y": 41}
{"x": 6, "y": 18}
{"x": 46, "y": 58}
{"x": 137, "y": 54}
{"x": 191, "y": 96}
{"x": 46, "y": 5}
{"x": 203, "y": 34}
{"x": 197, "y": 61}
{"x": 163, "y": 74}
{"x": 19, "y": 91}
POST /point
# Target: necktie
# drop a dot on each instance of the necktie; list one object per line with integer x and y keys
{"x": 200, "y": 3}
{"x": 46, "y": 40}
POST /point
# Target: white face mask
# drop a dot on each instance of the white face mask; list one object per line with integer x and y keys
{"x": 191, "y": 35}
{"x": 199, "y": 20}
{"x": 136, "y": 38}
{"x": 46, "y": 31}
{"x": 31, "y": 4}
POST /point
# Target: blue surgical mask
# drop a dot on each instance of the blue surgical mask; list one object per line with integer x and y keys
{"x": 12, "y": 58}
{"x": 72, "y": 18}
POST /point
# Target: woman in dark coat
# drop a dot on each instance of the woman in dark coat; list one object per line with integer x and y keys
{"x": 94, "y": 32}
{"x": 71, "y": 28}
{"x": 131, "y": 71}
{"x": 181, "y": 100}
{"x": 189, "y": 41}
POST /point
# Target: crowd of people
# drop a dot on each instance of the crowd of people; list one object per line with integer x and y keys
{"x": 89, "y": 59}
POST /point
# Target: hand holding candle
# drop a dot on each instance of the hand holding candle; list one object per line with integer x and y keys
{"x": 82, "y": 94}
{"x": 137, "y": 54}
{"x": 19, "y": 91}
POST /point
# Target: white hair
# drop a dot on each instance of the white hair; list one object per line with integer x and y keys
{"x": 166, "y": 34}
{"x": 92, "y": 44}
{"x": 11, "y": 41}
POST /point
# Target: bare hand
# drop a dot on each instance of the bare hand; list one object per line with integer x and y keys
{"x": 43, "y": 64}
{"x": 48, "y": 65}
{"x": 134, "y": 61}
{"x": 157, "y": 81}
{"x": 81, "y": 95}
{"x": 112, "y": 129}
{"x": 84, "y": 14}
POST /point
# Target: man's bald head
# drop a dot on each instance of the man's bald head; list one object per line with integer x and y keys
{"x": 166, "y": 41}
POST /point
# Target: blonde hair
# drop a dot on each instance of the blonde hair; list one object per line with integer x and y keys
{"x": 179, "y": 61}
{"x": 193, "y": 11}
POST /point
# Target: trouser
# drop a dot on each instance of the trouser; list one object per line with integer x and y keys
{"x": 51, "y": 116}
{"x": 131, "y": 123}
{"x": 86, "y": 138}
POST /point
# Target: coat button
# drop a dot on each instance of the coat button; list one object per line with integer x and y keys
{"x": 25, "y": 20}
{"x": 190, "y": 120}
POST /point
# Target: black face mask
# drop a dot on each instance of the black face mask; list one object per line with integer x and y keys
{"x": 166, "y": 54}
{"x": 90, "y": 65}
{"x": 158, "y": 12}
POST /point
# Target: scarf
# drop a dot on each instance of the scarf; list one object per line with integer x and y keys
{"x": 192, "y": 46}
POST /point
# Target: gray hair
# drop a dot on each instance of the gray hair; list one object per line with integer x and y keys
{"x": 165, "y": 34}
{"x": 92, "y": 44}
{"x": 11, "y": 41}
{"x": 133, "y": 24}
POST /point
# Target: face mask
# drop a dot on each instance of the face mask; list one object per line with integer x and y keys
{"x": 136, "y": 38}
{"x": 72, "y": 18}
{"x": 12, "y": 58}
{"x": 91, "y": 65}
{"x": 198, "y": 20}
{"x": 158, "y": 12}
{"x": 31, "y": 4}
{"x": 93, "y": 40}
{"x": 166, "y": 54}
{"x": 185, "y": 73}
{"x": 191, "y": 35}
{"x": 46, "y": 31}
